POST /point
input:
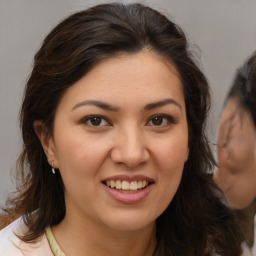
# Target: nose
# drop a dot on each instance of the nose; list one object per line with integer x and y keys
{"x": 130, "y": 148}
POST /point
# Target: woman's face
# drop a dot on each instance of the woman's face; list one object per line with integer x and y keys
{"x": 120, "y": 141}
{"x": 236, "y": 173}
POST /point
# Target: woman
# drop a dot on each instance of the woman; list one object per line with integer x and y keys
{"x": 115, "y": 154}
{"x": 236, "y": 172}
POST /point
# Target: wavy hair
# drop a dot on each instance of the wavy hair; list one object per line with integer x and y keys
{"x": 196, "y": 222}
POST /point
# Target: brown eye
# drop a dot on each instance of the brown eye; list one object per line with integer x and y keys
{"x": 96, "y": 121}
{"x": 158, "y": 120}
{"x": 161, "y": 120}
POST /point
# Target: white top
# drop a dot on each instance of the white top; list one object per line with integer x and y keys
{"x": 11, "y": 245}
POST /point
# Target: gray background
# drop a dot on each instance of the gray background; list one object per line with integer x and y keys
{"x": 224, "y": 30}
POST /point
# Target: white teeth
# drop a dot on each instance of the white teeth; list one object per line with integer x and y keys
{"x": 133, "y": 185}
{"x": 118, "y": 184}
{"x": 112, "y": 184}
{"x": 126, "y": 185}
{"x": 139, "y": 184}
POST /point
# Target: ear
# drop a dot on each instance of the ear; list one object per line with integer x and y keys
{"x": 47, "y": 142}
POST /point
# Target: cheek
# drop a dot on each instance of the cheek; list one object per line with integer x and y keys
{"x": 78, "y": 158}
{"x": 170, "y": 159}
{"x": 79, "y": 165}
{"x": 172, "y": 153}
{"x": 171, "y": 164}
{"x": 171, "y": 170}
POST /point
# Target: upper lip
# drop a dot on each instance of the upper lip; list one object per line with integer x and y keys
{"x": 129, "y": 178}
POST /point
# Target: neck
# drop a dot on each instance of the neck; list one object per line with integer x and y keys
{"x": 85, "y": 238}
{"x": 245, "y": 218}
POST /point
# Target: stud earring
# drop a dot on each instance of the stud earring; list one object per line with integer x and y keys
{"x": 53, "y": 170}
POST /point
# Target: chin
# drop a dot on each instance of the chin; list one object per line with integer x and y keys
{"x": 130, "y": 222}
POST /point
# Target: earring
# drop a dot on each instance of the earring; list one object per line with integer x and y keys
{"x": 53, "y": 170}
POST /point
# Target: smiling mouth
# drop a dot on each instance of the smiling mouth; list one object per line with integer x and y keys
{"x": 127, "y": 186}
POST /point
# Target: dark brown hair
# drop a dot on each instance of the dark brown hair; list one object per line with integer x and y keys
{"x": 244, "y": 86}
{"x": 196, "y": 222}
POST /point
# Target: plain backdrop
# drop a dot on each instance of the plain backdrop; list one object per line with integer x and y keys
{"x": 224, "y": 31}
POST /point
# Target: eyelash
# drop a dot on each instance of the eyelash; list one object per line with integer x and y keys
{"x": 169, "y": 119}
{"x": 163, "y": 117}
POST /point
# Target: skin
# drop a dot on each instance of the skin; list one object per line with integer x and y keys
{"x": 129, "y": 141}
{"x": 236, "y": 172}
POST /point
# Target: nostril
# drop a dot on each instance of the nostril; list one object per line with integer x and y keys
{"x": 130, "y": 152}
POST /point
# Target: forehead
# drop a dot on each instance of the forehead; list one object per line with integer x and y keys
{"x": 137, "y": 76}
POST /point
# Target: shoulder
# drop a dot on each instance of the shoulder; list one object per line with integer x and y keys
{"x": 9, "y": 242}
{"x": 11, "y": 245}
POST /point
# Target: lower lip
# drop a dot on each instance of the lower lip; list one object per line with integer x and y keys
{"x": 129, "y": 198}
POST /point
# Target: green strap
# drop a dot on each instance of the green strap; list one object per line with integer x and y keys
{"x": 53, "y": 244}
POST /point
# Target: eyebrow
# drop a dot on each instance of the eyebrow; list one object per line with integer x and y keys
{"x": 96, "y": 103}
{"x": 109, "y": 107}
{"x": 161, "y": 103}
